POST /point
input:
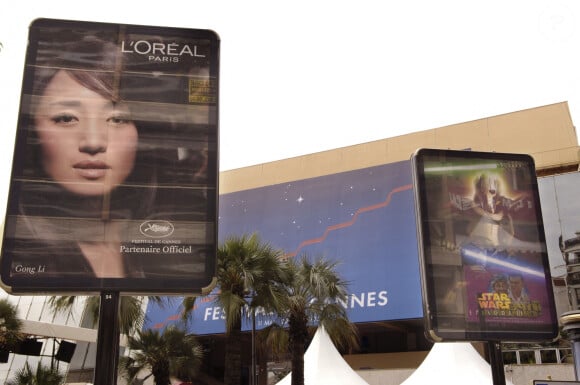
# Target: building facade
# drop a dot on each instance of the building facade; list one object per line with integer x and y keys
{"x": 336, "y": 213}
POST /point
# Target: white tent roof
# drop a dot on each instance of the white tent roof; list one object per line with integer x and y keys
{"x": 323, "y": 364}
{"x": 453, "y": 363}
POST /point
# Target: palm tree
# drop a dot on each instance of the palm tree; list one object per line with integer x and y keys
{"x": 44, "y": 375}
{"x": 248, "y": 275}
{"x": 314, "y": 292}
{"x": 165, "y": 354}
{"x": 131, "y": 313}
{"x": 10, "y": 326}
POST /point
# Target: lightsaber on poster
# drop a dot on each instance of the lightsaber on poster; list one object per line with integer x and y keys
{"x": 484, "y": 262}
{"x": 114, "y": 179}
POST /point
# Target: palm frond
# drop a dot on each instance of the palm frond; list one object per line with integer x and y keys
{"x": 42, "y": 375}
{"x": 164, "y": 353}
{"x": 10, "y": 326}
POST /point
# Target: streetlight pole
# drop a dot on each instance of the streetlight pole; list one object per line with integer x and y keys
{"x": 253, "y": 380}
{"x": 108, "y": 335}
{"x": 251, "y": 294}
{"x": 571, "y": 322}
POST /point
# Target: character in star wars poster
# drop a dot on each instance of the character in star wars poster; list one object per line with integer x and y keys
{"x": 500, "y": 243}
{"x": 494, "y": 209}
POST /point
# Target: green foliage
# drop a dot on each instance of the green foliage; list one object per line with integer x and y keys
{"x": 10, "y": 326}
{"x": 248, "y": 272}
{"x": 251, "y": 274}
{"x": 313, "y": 295}
{"x": 248, "y": 275}
{"x": 131, "y": 314}
{"x": 43, "y": 375}
{"x": 164, "y": 354}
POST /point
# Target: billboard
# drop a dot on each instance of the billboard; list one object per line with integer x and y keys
{"x": 362, "y": 219}
{"x": 484, "y": 260}
{"x": 114, "y": 179}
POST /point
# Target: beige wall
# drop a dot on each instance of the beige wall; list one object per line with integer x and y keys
{"x": 547, "y": 133}
{"x": 399, "y": 360}
{"x": 526, "y": 374}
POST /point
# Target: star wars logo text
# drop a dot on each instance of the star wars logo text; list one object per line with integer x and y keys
{"x": 501, "y": 305}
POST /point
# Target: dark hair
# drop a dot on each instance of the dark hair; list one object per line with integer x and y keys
{"x": 155, "y": 100}
{"x": 94, "y": 63}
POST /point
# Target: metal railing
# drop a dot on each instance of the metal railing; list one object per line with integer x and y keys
{"x": 537, "y": 356}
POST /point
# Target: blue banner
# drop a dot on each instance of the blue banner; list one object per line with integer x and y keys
{"x": 363, "y": 219}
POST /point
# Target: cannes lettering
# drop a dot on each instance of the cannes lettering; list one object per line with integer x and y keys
{"x": 362, "y": 300}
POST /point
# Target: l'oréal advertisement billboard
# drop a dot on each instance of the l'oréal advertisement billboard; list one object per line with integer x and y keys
{"x": 363, "y": 219}
{"x": 114, "y": 180}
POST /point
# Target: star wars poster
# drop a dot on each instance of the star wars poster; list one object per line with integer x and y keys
{"x": 114, "y": 180}
{"x": 484, "y": 259}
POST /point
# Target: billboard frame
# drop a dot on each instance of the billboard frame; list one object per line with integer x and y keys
{"x": 169, "y": 249}
{"x": 451, "y": 249}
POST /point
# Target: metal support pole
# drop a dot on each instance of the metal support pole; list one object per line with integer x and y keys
{"x": 571, "y": 325}
{"x": 254, "y": 381}
{"x": 108, "y": 336}
{"x": 496, "y": 362}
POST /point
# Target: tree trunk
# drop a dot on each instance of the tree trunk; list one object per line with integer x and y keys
{"x": 161, "y": 374}
{"x": 298, "y": 330}
{"x": 298, "y": 361}
{"x": 233, "y": 356}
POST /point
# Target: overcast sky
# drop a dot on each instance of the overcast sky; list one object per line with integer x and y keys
{"x": 299, "y": 77}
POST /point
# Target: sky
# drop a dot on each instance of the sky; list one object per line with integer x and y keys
{"x": 299, "y": 77}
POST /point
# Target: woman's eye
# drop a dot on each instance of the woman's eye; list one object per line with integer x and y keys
{"x": 120, "y": 119}
{"x": 64, "y": 119}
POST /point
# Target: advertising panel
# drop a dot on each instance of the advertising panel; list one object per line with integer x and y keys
{"x": 114, "y": 179}
{"x": 484, "y": 261}
{"x": 362, "y": 219}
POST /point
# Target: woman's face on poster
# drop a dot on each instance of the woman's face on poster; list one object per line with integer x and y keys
{"x": 88, "y": 142}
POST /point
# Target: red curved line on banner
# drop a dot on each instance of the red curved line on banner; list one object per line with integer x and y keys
{"x": 170, "y": 318}
{"x": 342, "y": 225}
{"x": 320, "y": 239}
{"x": 176, "y": 317}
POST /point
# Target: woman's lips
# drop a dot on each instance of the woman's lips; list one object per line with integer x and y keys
{"x": 91, "y": 169}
